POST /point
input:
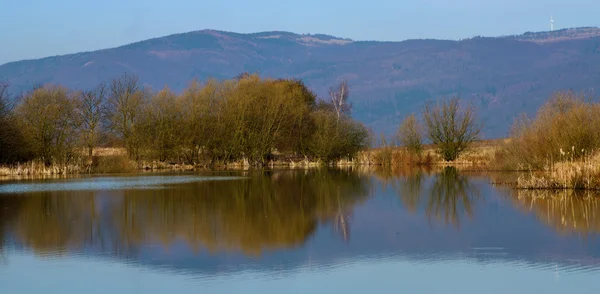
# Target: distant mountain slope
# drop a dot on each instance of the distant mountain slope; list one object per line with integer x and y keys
{"x": 502, "y": 76}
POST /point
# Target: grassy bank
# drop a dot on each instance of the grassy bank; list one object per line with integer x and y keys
{"x": 480, "y": 155}
{"x": 583, "y": 174}
{"x": 483, "y": 156}
{"x": 115, "y": 160}
{"x": 559, "y": 147}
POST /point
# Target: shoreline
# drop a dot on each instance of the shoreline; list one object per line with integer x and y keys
{"x": 478, "y": 159}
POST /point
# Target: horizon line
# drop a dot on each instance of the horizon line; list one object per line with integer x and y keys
{"x": 294, "y": 33}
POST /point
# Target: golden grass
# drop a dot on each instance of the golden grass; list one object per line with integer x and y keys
{"x": 161, "y": 166}
{"x": 113, "y": 164}
{"x": 39, "y": 168}
{"x": 114, "y": 160}
{"x": 581, "y": 174}
{"x": 481, "y": 154}
{"x": 565, "y": 128}
{"x": 391, "y": 156}
{"x": 109, "y": 151}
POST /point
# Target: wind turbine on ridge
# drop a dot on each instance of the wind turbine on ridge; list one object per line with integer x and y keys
{"x": 551, "y": 24}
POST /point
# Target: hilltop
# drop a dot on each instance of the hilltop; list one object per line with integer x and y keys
{"x": 502, "y": 76}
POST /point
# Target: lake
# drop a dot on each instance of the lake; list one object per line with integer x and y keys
{"x": 295, "y": 231}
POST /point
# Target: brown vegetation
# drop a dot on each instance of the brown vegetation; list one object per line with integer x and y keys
{"x": 580, "y": 174}
{"x": 410, "y": 135}
{"x": 480, "y": 155}
{"x": 90, "y": 109}
{"x": 113, "y": 164}
{"x": 396, "y": 156}
{"x": 451, "y": 128}
{"x": 248, "y": 120}
{"x": 47, "y": 120}
{"x": 558, "y": 147}
{"x": 565, "y": 128}
{"x": 12, "y": 147}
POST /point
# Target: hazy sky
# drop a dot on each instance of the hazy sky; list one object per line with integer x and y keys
{"x": 39, "y": 28}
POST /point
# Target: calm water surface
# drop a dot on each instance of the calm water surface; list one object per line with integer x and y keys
{"x": 319, "y": 231}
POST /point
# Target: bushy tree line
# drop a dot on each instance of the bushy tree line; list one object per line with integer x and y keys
{"x": 246, "y": 118}
{"x": 10, "y": 135}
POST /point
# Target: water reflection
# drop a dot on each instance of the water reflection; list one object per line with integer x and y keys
{"x": 316, "y": 223}
{"x": 410, "y": 189}
{"x": 446, "y": 196}
{"x": 451, "y": 197}
{"x": 56, "y": 221}
{"x": 266, "y": 212}
{"x": 567, "y": 212}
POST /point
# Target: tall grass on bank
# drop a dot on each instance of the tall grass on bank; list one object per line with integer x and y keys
{"x": 97, "y": 164}
{"x": 481, "y": 154}
{"x": 583, "y": 174}
{"x": 40, "y": 168}
{"x": 558, "y": 147}
{"x": 113, "y": 164}
{"x": 565, "y": 128}
{"x": 394, "y": 156}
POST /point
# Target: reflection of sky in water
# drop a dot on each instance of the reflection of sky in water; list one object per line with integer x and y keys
{"x": 396, "y": 245}
{"x": 389, "y": 275}
{"x": 108, "y": 183}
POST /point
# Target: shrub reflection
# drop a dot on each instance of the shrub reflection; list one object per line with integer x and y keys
{"x": 445, "y": 195}
{"x": 268, "y": 211}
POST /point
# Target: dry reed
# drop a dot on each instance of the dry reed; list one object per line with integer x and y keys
{"x": 39, "y": 168}
{"x": 582, "y": 174}
{"x": 478, "y": 155}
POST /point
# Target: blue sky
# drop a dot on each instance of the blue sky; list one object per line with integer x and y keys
{"x": 39, "y": 28}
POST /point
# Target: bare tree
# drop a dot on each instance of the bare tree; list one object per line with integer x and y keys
{"x": 47, "y": 119}
{"x": 4, "y": 90}
{"x": 339, "y": 98}
{"x": 4, "y": 103}
{"x": 410, "y": 134}
{"x": 241, "y": 76}
{"x": 451, "y": 128}
{"x": 124, "y": 105}
{"x": 160, "y": 127}
{"x": 90, "y": 109}
{"x": 8, "y": 136}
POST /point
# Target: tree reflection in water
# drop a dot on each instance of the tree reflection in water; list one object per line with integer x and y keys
{"x": 278, "y": 210}
{"x": 8, "y": 207}
{"x": 445, "y": 196}
{"x": 451, "y": 196}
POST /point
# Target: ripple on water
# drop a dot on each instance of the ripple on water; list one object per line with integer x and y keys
{"x": 109, "y": 183}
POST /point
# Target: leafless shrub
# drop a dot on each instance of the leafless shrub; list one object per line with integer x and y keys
{"x": 410, "y": 135}
{"x": 565, "y": 128}
{"x": 451, "y": 128}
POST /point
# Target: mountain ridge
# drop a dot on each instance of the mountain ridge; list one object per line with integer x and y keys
{"x": 388, "y": 79}
{"x": 518, "y": 37}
